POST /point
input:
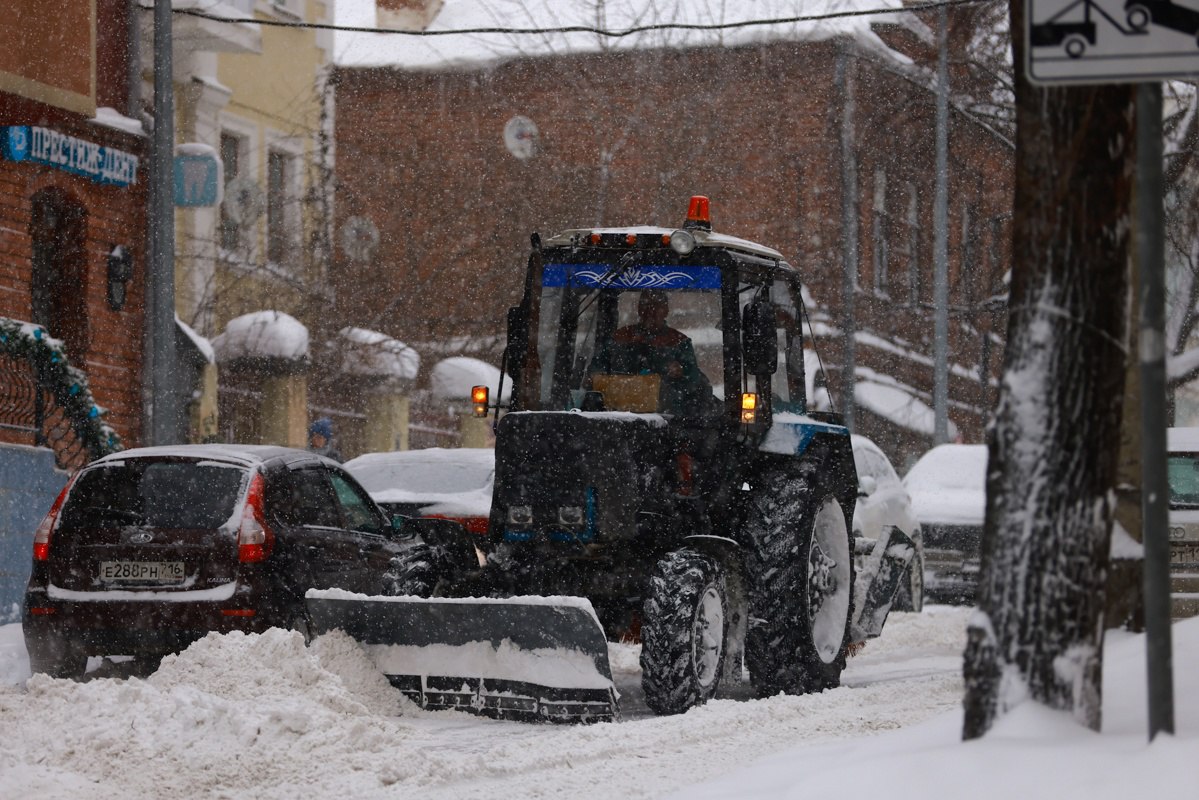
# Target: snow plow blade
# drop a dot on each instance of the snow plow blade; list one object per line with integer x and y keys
{"x": 878, "y": 581}
{"x": 525, "y": 658}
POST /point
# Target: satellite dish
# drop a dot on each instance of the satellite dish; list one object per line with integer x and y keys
{"x": 359, "y": 238}
{"x": 244, "y": 201}
{"x": 520, "y": 137}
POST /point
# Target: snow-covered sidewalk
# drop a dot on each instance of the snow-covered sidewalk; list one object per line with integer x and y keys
{"x": 263, "y": 717}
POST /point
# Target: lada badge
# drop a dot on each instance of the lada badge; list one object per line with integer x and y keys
{"x": 141, "y": 537}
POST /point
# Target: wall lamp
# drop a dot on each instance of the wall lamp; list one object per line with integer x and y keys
{"x": 120, "y": 271}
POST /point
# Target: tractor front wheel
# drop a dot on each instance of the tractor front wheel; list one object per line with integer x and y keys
{"x": 800, "y": 570}
{"x": 683, "y": 627}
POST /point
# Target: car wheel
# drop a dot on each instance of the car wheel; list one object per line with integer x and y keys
{"x": 58, "y": 660}
{"x": 1075, "y": 46}
{"x": 1138, "y": 18}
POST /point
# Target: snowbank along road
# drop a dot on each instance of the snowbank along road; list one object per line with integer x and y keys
{"x": 263, "y": 716}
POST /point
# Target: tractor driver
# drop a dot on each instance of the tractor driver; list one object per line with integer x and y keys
{"x": 650, "y": 346}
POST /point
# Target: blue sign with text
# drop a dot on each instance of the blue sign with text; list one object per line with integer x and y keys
{"x": 40, "y": 145}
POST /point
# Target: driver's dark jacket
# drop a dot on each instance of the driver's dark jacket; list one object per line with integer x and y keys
{"x": 634, "y": 350}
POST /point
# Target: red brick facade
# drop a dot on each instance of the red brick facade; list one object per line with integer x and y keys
{"x": 106, "y": 344}
{"x": 793, "y": 143}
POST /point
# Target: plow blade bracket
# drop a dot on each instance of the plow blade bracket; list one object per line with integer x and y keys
{"x": 528, "y": 658}
{"x": 878, "y": 581}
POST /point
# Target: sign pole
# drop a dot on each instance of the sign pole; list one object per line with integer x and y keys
{"x": 163, "y": 403}
{"x": 1155, "y": 490}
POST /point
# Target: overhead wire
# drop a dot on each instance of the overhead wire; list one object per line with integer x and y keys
{"x": 598, "y": 31}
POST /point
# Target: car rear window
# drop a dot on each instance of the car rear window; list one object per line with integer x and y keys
{"x": 1183, "y": 470}
{"x": 157, "y": 494}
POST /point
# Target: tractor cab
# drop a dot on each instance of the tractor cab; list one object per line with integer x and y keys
{"x": 686, "y": 323}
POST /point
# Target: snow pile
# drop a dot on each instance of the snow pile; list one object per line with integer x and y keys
{"x": 262, "y": 334}
{"x": 487, "y": 49}
{"x": 453, "y": 482}
{"x": 452, "y": 378}
{"x": 948, "y": 484}
{"x": 243, "y": 717}
{"x": 374, "y": 354}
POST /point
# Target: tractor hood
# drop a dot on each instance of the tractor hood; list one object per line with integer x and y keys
{"x": 571, "y": 476}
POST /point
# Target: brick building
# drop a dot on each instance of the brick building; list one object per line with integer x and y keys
{"x": 819, "y": 144}
{"x": 72, "y": 228}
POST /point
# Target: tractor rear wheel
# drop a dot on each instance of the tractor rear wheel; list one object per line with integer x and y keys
{"x": 800, "y": 570}
{"x": 683, "y": 626}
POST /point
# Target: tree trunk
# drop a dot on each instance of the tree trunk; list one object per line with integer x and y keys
{"x": 1054, "y": 445}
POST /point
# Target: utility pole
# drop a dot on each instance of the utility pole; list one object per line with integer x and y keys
{"x": 941, "y": 240}
{"x": 162, "y": 404}
{"x": 849, "y": 224}
{"x": 1155, "y": 489}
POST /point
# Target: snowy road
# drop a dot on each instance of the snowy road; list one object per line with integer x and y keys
{"x": 264, "y": 717}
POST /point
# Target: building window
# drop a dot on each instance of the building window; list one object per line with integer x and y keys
{"x": 278, "y": 227}
{"x": 970, "y": 256}
{"x": 293, "y": 7}
{"x": 879, "y": 225}
{"x": 231, "y": 147}
{"x": 912, "y": 243}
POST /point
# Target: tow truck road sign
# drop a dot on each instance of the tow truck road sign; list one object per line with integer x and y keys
{"x": 1111, "y": 41}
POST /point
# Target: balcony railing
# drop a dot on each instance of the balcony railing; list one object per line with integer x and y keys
{"x": 45, "y": 402}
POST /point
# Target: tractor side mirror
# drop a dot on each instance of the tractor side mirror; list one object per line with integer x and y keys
{"x": 760, "y": 338}
{"x": 518, "y": 339}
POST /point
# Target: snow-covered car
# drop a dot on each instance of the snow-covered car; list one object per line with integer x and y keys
{"x": 147, "y": 550}
{"x": 436, "y": 482}
{"x": 948, "y": 490}
{"x": 1182, "y": 445}
{"x": 882, "y": 502}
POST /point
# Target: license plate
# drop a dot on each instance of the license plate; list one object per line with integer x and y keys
{"x": 1184, "y": 553}
{"x": 163, "y": 572}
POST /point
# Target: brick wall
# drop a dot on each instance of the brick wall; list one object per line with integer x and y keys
{"x": 627, "y": 138}
{"x": 114, "y": 215}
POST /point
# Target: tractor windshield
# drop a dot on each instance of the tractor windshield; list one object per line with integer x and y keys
{"x": 643, "y": 339}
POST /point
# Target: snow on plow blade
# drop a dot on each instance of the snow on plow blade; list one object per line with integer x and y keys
{"x": 526, "y": 658}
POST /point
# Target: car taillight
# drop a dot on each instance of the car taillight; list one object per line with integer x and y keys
{"x": 41, "y": 537}
{"x": 472, "y": 524}
{"x": 254, "y": 538}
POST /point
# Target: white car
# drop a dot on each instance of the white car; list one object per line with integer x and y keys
{"x": 883, "y": 501}
{"x": 948, "y": 486}
{"x": 436, "y": 482}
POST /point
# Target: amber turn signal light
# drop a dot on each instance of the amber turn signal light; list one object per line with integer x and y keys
{"x": 479, "y": 396}
{"x": 749, "y": 408}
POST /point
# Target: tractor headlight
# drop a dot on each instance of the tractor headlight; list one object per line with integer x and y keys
{"x": 682, "y": 242}
{"x": 570, "y": 515}
{"x": 520, "y": 515}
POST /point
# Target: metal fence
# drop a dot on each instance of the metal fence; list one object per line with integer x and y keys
{"x": 29, "y": 414}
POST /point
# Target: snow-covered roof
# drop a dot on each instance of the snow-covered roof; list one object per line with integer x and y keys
{"x": 262, "y": 334}
{"x": 201, "y": 343}
{"x": 472, "y": 51}
{"x": 374, "y": 354}
{"x": 1182, "y": 440}
{"x": 452, "y": 378}
{"x": 893, "y": 403}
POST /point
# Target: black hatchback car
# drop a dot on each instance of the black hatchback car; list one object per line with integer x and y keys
{"x": 147, "y": 550}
